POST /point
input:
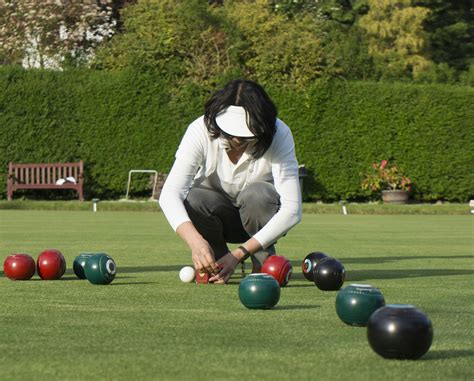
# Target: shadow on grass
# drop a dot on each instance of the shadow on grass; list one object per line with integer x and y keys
{"x": 298, "y": 307}
{"x": 71, "y": 276}
{"x": 130, "y": 283}
{"x": 35, "y": 279}
{"x": 389, "y": 259}
{"x": 358, "y": 275}
{"x": 144, "y": 269}
{"x": 448, "y": 354}
{"x": 295, "y": 277}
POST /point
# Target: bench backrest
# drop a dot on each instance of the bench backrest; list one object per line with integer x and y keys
{"x": 45, "y": 173}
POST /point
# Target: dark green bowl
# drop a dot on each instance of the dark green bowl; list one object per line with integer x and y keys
{"x": 259, "y": 291}
{"x": 356, "y": 302}
{"x": 79, "y": 263}
{"x": 100, "y": 269}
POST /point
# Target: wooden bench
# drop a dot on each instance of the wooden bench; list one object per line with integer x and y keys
{"x": 45, "y": 176}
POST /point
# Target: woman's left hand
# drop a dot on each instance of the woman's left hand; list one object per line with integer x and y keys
{"x": 227, "y": 263}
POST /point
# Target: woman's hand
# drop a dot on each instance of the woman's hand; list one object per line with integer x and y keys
{"x": 202, "y": 254}
{"x": 227, "y": 265}
{"x": 203, "y": 257}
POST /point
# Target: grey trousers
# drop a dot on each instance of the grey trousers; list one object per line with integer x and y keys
{"x": 220, "y": 222}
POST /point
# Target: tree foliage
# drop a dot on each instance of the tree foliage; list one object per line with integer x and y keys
{"x": 293, "y": 42}
{"x": 39, "y": 33}
{"x": 275, "y": 48}
{"x": 193, "y": 42}
{"x": 450, "y": 28}
{"x": 175, "y": 38}
{"x": 342, "y": 11}
{"x": 397, "y": 40}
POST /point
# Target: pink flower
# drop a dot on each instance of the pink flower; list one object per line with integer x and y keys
{"x": 385, "y": 176}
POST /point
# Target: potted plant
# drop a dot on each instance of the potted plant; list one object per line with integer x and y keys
{"x": 395, "y": 186}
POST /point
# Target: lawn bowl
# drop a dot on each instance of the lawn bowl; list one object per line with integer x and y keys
{"x": 100, "y": 269}
{"x": 309, "y": 264}
{"x": 357, "y": 302}
{"x": 278, "y": 267}
{"x": 259, "y": 291}
{"x": 79, "y": 263}
{"x": 51, "y": 264}
{"x": 19, "y": 267}
{"x": 329, "y": 274}
{"x": 400, "y": 331}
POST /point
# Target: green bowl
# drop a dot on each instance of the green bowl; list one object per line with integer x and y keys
{"x": 79, "y": 263}
{"x": 100, "y": 269}
{"x": 356, "y": 302}
{"x": 259, "y": 291}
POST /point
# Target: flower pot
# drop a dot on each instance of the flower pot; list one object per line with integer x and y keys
{"x": 395, "y": 196}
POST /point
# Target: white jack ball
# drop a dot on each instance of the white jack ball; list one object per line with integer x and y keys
{"x": 187, "y": 274}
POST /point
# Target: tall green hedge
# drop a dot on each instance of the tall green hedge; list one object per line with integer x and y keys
{"x": 342, "y": 128}
{"x": 117, "y": 121}
{"x": 113, "y": 121}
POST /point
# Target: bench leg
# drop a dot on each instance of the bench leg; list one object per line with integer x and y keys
{"x": 81, "y": 195}
{"x": 9, "y": 193}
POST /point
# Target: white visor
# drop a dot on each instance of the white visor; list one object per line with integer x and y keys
{"x": 233, "y": 121}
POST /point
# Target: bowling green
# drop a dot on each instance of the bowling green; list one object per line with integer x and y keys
{"x": 148, "y": 325}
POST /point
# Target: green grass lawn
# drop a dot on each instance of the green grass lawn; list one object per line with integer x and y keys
{"x": 149, "y": 325}
{"x": 308, "y": 207}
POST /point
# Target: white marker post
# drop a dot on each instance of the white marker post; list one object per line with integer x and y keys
{"x": 344, "y": 209}
{"x": 94, "y": 204}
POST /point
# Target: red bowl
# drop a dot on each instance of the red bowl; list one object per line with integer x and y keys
{"x": 19, "y": 266}
{"x": 278, "y": 267}
{"x": 51, "y": 264}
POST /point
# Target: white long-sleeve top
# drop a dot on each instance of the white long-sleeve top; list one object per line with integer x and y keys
{"x": 202, "y": 161}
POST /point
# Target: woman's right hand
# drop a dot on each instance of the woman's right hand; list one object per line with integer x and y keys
{"x": 203, "y": 257}
{"x": 201, "y": 252}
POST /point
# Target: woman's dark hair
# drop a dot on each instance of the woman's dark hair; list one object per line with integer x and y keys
{"x": 262, "y": 112}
